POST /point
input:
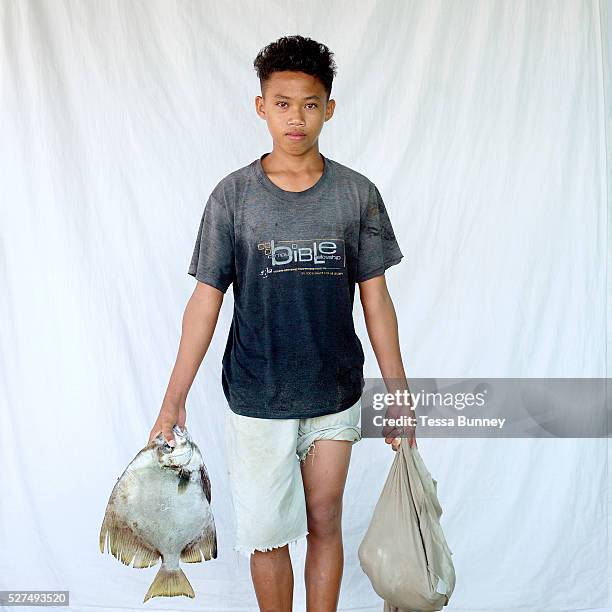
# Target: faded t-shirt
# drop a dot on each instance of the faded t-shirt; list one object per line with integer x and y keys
{"x": 293, "y": 259}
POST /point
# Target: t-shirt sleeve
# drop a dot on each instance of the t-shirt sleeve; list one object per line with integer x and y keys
{"x": 213, "y": 255}
{"x": 378, "y": 248}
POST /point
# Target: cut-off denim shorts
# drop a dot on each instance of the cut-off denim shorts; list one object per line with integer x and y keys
{"x": 263, "y": 458}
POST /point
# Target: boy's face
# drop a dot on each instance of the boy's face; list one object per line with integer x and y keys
{"x": 294, "y": 102}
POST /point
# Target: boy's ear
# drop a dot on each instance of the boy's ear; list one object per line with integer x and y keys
{"x": 259, "y": 107}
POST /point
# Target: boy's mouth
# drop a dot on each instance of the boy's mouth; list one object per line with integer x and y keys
{"x": 296, "y": 135}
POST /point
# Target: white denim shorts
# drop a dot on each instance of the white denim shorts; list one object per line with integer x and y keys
{"x": 263, "y": 458}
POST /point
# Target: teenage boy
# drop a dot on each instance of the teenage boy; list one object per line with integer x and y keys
{"x": 293, "y": 231}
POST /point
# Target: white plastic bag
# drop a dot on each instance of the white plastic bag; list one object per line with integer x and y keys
{"x": 404, "y": 552}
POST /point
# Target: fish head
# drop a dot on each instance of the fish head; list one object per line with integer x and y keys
{"x": 178, "y": 456}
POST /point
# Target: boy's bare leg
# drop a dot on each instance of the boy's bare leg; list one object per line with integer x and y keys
{"x": 272, "y": 576}
{"x": 324, "y": 475}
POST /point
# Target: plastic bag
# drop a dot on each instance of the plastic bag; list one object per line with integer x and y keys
{"x": 404, "y": 552}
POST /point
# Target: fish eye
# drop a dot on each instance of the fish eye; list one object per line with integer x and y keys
{"x": 166, "y": 449}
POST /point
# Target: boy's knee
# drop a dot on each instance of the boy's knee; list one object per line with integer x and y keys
{"x": 325, "y": 519}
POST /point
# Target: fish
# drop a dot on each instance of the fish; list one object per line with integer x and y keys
{"x": 160, "y": 508}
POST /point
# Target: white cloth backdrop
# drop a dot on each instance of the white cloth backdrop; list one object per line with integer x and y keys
{"x": 484, "y": 126}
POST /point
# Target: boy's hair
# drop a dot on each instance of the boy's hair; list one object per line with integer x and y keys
{"x": 297, "y": 53}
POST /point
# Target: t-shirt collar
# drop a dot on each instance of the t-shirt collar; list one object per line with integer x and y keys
{"x": 310, "y": 194}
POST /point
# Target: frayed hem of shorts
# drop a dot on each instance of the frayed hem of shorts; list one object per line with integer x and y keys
{"x": 312, "y": 447}
{"x": 249, "y": 551}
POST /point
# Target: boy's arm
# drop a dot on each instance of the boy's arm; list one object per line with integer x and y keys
{"x": 199, "y": 322}
{"x": 381, "y": 323}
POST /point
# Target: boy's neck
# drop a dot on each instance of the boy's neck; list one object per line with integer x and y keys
{"x": 297, "y": 164}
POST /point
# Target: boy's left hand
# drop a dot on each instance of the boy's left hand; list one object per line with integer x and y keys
{"x": 392, "y": 432}
{"x": 411, "y": 435}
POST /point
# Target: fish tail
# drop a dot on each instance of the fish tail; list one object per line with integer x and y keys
{"x": 169, "y": 583}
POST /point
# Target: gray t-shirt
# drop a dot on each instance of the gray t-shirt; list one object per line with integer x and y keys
{"x": 294, "y": 258}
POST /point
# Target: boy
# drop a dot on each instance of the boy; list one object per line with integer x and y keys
{"x": 293, "y": 231}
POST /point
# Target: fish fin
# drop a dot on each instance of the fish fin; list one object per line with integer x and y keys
{"x": 205, "y": 547}
{"x": 205, "y": 482}
{"x": 184, "y": 480}
{"x": 124, "y": 544}
{"x": 169, "y": 583}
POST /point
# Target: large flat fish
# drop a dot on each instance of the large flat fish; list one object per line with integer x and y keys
{"x": 160, "y": 507}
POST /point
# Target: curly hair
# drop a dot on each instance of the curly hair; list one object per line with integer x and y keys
{"x": 297, "y": 53}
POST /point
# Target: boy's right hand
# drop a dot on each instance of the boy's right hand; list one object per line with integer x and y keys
{"x": 171, "y": 414}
